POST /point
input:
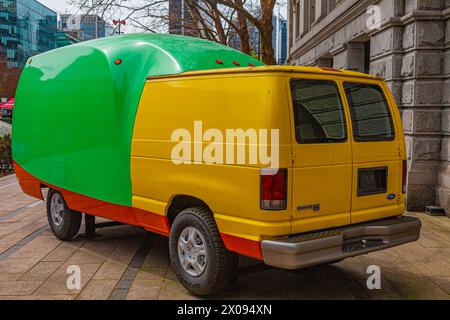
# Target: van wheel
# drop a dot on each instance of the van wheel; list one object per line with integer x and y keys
{"x": 65, "y": 223}
{"x": 199, "y": 258}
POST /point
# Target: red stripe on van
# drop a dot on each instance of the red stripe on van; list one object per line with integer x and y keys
{"x": 243, "y": 246}
{"x": 129, "y": 215}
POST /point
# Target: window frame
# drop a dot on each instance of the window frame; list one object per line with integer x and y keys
{"x": 336, "y": 84}
{"x": 360, "y": 139}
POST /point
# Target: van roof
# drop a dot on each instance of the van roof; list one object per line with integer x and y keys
{"x": 277, "y": 68}
{"x": 157, "y": 54}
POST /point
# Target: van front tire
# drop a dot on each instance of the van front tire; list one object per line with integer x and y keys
{"x": 199, "y": 258}
{"x": 64, "y": 223}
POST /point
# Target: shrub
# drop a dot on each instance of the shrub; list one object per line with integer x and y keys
{"x": 6, "y": 164}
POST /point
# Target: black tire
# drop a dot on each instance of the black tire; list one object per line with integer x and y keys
{"x": 70, "y": 220}
{"x": 221, "y": 264}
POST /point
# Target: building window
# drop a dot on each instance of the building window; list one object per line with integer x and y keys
{"x": 331, "y": 5}
{"x": 325, "y": 62}
{"x": 297, "y": 19}
{"x": 312, "y": 12}
{"x": 304, "y": 10}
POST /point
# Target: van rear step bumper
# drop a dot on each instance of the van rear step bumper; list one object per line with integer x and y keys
{"x": 333, "y": 245}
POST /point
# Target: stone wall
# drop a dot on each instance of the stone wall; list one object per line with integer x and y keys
{"x": 411, "y": 50}
{"x": 443, "y": 190}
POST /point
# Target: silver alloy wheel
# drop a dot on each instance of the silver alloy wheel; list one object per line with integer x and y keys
{"x": 57, "y": 209}
{"x": 192, "y": 251}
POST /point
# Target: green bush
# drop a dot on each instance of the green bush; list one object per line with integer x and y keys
{"x": 6, "y": 164}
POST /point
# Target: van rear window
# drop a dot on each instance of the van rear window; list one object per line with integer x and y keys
{"x": 319, "y": 116}
{"x": 369, "y": 109}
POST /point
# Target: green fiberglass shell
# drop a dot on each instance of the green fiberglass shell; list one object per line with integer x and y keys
{"x": 75, "y": 106}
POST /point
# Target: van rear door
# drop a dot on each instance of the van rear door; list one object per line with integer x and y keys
{"x": 322, "y": 156}
{"x": 376, "y": 151}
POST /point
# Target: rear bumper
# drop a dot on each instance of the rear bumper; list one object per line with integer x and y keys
{"x": 327, "y": 246}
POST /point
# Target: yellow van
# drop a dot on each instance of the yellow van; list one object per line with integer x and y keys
{"x": 293, "y": 166}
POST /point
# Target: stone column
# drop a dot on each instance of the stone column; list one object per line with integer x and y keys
{"x": 408, "y": 51}
{"x": 443, "y": 191}
{"x": 422, "y": 99}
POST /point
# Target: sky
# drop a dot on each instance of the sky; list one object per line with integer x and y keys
{"x": 61, "y": 6}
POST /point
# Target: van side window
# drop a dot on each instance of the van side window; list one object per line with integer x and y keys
{"x": 369, "y": 109}
{"x": 318, "y": 113}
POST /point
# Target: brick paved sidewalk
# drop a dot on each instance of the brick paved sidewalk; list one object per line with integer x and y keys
{"x": 130, "y": 263}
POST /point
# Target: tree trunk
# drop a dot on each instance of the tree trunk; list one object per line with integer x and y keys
{"x": 245, "y": 42}
{"x": 215, "y": 15}
{"x": 266, "y": 30}
{"x": 267, "y": 52}
{"x": 243, "y": 30}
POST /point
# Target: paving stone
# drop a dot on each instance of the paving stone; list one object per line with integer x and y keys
{"x": 314, "y": 283}
{"x": 15, "y": 202}
{"x": 352, "y": 269}
{"x": 37, "y": 248}
{"x": 443, "y": 283}
{"x": 119, "y": 294}
{"x": 173, "y": 290}
{"x": 41, "y": 271}
{"x": 170, "y": 274}
{"x": 158, "y": 256}
{"x": 84, "y": 256}
{"x": 101, "y": 246}
{"x": 126, "y": 248}
{"x": 17, "y": 265}
{"x": 411, "y": 284}
{"x": 39, "y": 297}
{"x": 10, "y": 276}
{"x": 12, "y": 288}
{"x": 97, "y": 290}
{"x": 387, "y": 291}
{"x": 110, "y": 270}
{"x": 33, "y": 265}
{"x": 432, "y": 240}
{"x": 57, "y": 283}
{"x": 63, "y": 252}
{"x": 145, "y": 289}
{"x": 147, "y": 273}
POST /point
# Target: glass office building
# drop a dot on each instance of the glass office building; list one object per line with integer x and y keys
{"x": 27, "y": 28}
{"x": 64, "y": 39}
{"x": 279, "y": 38}
{"x": 85, "y": 27}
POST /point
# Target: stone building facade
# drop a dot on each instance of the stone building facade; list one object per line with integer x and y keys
{"x": 407, "y": 42}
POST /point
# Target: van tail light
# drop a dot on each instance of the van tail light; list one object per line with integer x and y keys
{"x": 273, "y": 189}
{"x": 404, "y": 173}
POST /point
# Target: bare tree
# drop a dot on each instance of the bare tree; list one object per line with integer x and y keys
{"x": 210, "y": 21}
{"x": 261, "y": 18}
{"x": 216, "y": 20}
